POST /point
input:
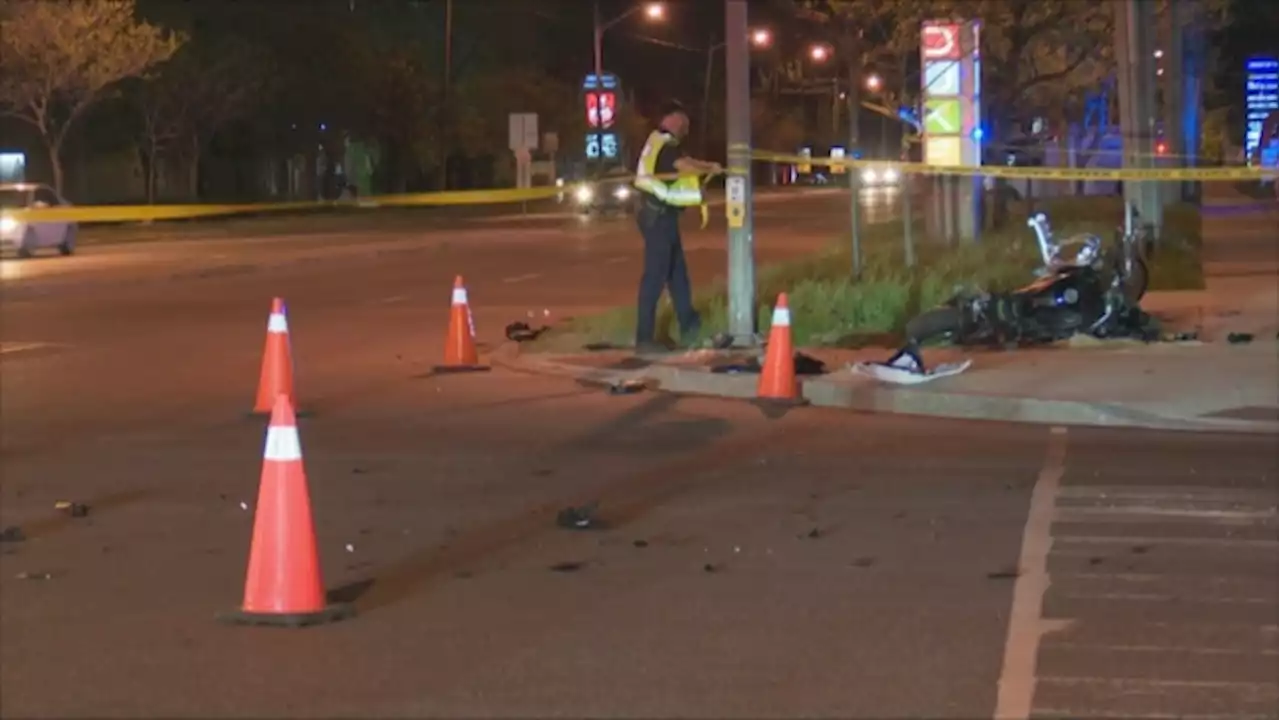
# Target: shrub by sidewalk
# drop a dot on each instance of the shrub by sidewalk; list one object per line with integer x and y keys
{"x": 829, "y": 308}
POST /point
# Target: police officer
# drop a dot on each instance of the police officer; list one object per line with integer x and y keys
{"x": 668, "y": 181}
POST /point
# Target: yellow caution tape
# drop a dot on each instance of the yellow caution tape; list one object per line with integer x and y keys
{"x": 135, "y": 213}
{"x": 1036, "y": 173}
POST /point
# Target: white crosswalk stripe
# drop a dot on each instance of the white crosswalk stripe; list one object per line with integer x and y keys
{"x": 1163, "y": 603}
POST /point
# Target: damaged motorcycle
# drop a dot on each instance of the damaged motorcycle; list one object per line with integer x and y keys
{"x": 1084, "y": 287}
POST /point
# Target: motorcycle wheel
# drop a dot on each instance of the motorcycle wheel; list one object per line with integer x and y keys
{"x": 1135, "y": 286}
{"x": 930, "y": 324}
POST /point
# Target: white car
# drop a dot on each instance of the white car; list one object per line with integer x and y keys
{"x": 880, "y": 177}
{"x": 24, "y": 237}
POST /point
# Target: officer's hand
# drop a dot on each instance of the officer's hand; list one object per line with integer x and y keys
{"x": 714, "y": 168}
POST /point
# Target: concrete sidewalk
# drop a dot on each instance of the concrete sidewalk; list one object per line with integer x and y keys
{"x": 1172, "y": 386}
{"x": 1208, "y": 384}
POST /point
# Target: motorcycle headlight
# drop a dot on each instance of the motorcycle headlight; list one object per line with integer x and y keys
{"x": 8, "y": 224}
{"x": 869, "y": 176}
{"x": 583, "y": 194}
{"x": 622, "y": 192}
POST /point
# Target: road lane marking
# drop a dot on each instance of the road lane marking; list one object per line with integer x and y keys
{"x": 1017, "y": 682}
{"x": 1179, "y": 541}
{"x": 1188, "y": 649}
{"x": 17, "y": 347}
{"x": 522, "y": 278}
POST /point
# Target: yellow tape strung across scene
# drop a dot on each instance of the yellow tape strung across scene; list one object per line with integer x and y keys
{"x": 136, "y": 213}
{"x": 1034, "y": 173}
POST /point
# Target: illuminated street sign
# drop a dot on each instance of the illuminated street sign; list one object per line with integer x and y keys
{"x": 942, "y": 116}
{"x": 942, "y": 77}
{"x": 603, "y": 146}
{"x": 601, "y": 102}
{"x": 1261, "y": 98}
{"x": 602, "y": 109}
{"x": 609, "y": 145}
{"x": 940, "y": 41}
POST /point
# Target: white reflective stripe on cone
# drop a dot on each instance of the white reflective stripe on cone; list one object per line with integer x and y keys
{"x": 277, "y": 323}
{"x": 282, "y": 444}
{"x": 782, "y": 316}
{"x": 459, "y": 296}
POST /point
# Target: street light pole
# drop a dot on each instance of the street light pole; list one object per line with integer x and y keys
{"x": 742, "y": 278}
{"x": 712, "y": 47}
{"x": 597, "y": 40}
{"x": 855, "y": 176}
{"x": 597, "y": 37}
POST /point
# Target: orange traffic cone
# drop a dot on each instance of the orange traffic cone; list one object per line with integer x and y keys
{"x": 778, "y": 376}
{"x": 276, "y": 377}
{"x": 460, "y": 343}
{"x": 283, "y": 585}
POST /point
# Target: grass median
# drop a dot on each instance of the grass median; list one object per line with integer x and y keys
{"x": 829, "y": 308}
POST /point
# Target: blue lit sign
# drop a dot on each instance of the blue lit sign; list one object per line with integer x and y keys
{"x": 602, "y": 145}
{"x": 592, "y": 82}
{"x": 910, "y": 117}
{"x": 1261, "y": 98}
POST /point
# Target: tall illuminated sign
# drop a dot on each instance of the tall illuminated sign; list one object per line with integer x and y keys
{"x": 1261, "y": 98}
{"x": 951, "y": 88}
{"x": 600, "y": 105}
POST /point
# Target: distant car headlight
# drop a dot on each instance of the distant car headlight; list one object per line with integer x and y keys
{"x": 559, "y": 182}
{"x": 890, "y": 176}
{"x": 869, "y": 176}
{"x": 622, "y": 192}
{"x": 8, "y": 224}
{"x": 583, "y": 194}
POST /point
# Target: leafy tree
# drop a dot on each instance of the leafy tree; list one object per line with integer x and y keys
{"x": 60, "y": 57}
{"x": 1040, "y": 57}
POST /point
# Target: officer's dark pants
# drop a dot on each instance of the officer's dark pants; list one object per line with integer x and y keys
{"x": 664, "y": 267}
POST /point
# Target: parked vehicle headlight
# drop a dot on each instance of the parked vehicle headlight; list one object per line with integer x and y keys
{"x": 8, "y": 224}
{"x": 889, "y": 176}
{"x": 869, "y": 176}
{"x": 622, "y": 192}
{"x": 583, "y": 194}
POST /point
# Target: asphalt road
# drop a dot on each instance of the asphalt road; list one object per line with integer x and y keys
{"x": 816, "y": 565}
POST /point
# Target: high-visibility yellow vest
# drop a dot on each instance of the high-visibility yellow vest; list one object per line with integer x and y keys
{"x": 684, "y": 191}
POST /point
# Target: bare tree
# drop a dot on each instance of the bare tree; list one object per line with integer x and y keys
{"x": 60, "y": 57}
{"x": 196, "y": 94}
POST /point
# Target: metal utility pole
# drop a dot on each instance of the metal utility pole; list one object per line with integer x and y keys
{"x": 854, "y": 48}
{"x": 448, "y": 83}
{"x": 742, "y": 270}
{"x": 712, "y": 47}
{"x": 1134, "y": 50}
{"x": 597, "y": 39}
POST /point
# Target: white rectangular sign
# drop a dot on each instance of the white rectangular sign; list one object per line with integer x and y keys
{"x": 736, "y": 190}
{"x": 522, "y": 131}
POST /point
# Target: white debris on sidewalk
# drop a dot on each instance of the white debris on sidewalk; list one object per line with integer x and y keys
{"x": 906, "y": 368}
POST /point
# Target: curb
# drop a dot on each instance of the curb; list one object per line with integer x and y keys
{"x": 877, "y": 398}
